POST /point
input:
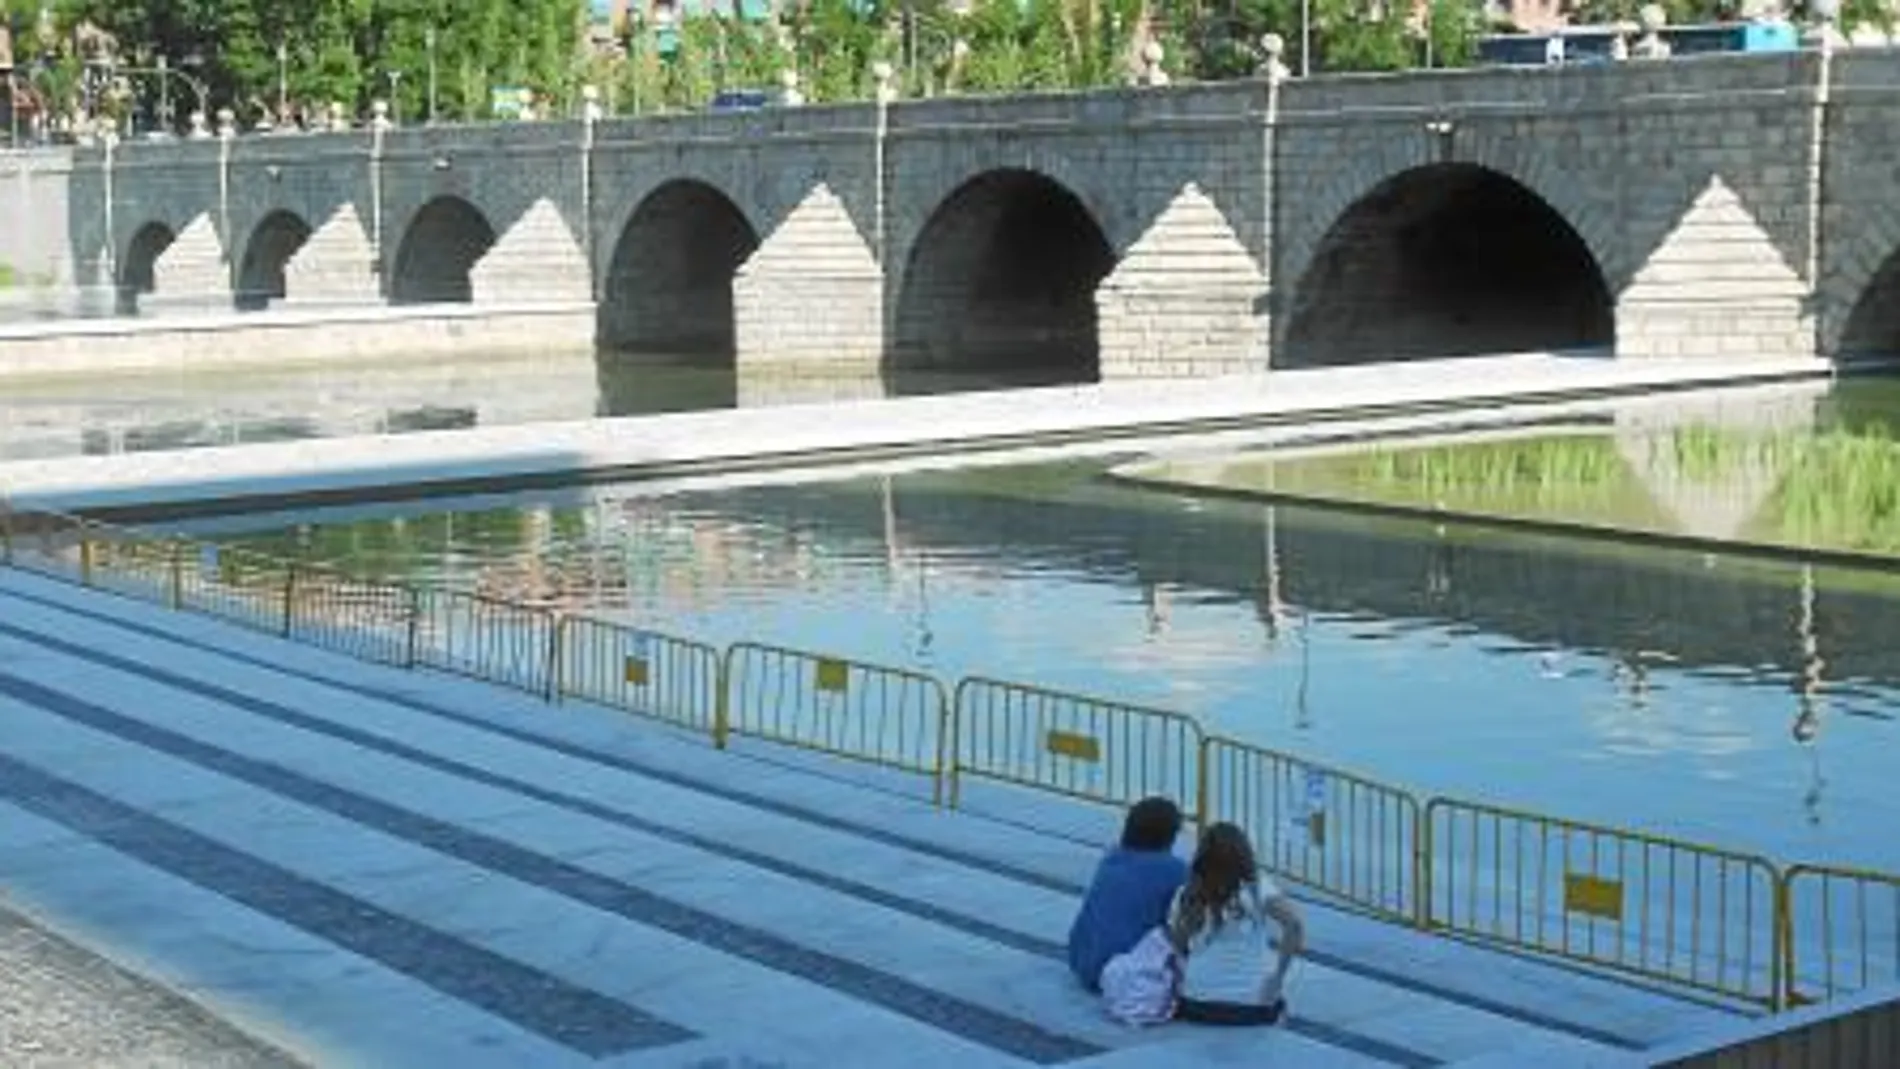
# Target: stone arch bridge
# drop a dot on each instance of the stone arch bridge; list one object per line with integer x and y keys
{"x": 1714, "y": 206}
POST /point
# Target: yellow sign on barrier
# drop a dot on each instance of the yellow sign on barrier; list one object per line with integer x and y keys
{"x": 1692, "y": 915}
{"x": 1073, "y": 744}
{"x": 831, "y": 675}
{"x": 866, "y": 712}
{"x": 1079, "y": 747}
{"x": 1593, "y": 895}
{"x": 644, "y": 672}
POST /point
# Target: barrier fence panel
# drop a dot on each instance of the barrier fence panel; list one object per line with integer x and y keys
{"x": 235, "y": 584}
{"x": 365, "y": 618}
{"x": 886, "y": 716}
{"x": 1701, "y": 917}
{"x": 485, "y": 638}
{"x": 1072, "y": 744}
{"x": 1842, "y": 931}
{"x": 1691, "y": 915}
{"x": 47, "y": 544}
{"x": 644, "y": 672}
{"x": 1338, "y": 833}
{"x": 133, "y": 564}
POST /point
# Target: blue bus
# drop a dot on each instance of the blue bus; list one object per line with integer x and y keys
{"x": 1595, "y": 44}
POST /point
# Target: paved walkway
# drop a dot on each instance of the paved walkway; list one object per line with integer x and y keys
{"x": 64, "y": 1006}
{"x": 1097, "y": 419}
{"x": 365, "y": 866}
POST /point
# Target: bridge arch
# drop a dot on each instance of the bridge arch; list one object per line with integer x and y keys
{"x": 1002, "y": 276}
{"x": 138, "y": 268}
{"x": 273, "y": 241}
{"x": 444, "y": 241}
{"x": 1872, "y": 323}
{"x": 1442, "y": 260}
{"x": 669, "y": 280}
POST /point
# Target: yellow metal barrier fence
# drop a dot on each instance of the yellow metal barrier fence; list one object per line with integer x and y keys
{"x": 1072, "y": 744}
{"x": 1691, "y": 915}
{"x": 48, "y": 544}
{"x": 485, "y": 638}
{"x": 365, "y": 618}
{"x": 1341, "y": 834}
{"x": 644, "y": 672}
{"x": 866, "y": 712}
{"x": 238, "y": 585}
{"x": 1840, "y": 931}
{"x": 132, "y": 564}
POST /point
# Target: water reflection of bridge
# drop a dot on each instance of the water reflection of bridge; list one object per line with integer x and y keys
{"x": 174, "y": 410}
{"x": 1698, "y": 611}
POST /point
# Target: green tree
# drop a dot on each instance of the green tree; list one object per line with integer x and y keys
{"x": 1875, "y": 14}
{"x": 836, "y": 43}
{"x": 1355, "y": 41}
{"x": 1046, "y": 44}
{"x": 1455, "y": 27}
{"x": 640, "y": 81}
{"x": 350, "y": 51}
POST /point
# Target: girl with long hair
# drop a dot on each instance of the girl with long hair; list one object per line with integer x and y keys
{"x": 1217, "y": 925}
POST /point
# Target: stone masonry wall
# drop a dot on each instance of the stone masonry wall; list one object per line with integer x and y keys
{"x": 1716, "y": 218}
{"x": 37, "y": 186}
{"x": 1733, "y": 205}
{"x": 804, "y": 180}
{"x": 1128, "y": 156}
{"x": 325, "y": 183}
{"x": 176, "y": 186}
{"x": 1859, "y": 291}
{"x": 527, "y": 180}
{"x": 1659, "y": 167}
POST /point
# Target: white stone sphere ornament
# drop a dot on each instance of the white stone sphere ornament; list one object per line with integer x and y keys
{"x": 1273, "y": 48}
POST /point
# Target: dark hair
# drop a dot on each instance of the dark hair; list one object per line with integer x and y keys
{"x": 1152, "y": 824}
{"x": 1222, "y": 865}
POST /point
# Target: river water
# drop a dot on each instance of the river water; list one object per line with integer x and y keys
{"x": 1724, "y": 697}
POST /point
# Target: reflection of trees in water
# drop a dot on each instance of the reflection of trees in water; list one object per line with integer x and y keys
{"x": 615, "y": 556}
{"x": 682, "y": 551}
{"x": 1542, "y": 591}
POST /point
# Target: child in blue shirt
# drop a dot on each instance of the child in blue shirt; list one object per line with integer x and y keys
{"x": 1132, "y": 889}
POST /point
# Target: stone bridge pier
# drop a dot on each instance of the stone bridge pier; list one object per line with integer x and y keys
{"x": 1715, "y": 206}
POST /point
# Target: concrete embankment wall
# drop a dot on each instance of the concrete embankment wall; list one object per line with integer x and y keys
{"x": 291, "y": 336}
{"x": 1110, "y": 417}
{"x": 35, "y": 250}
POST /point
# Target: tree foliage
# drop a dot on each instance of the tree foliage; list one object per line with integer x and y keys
{"x": 250, "y": 54}
{"x": 302, "y": 56}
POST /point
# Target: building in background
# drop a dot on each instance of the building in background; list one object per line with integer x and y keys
{"x": 1530, "y": 16}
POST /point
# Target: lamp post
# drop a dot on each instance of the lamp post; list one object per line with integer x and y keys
{"x": 163, "y": 67}
{"x": 395, "y": 96}
{"x": 428, "y": 43}
{"x": 1306, "y": 38}
{"x": 283, "y": 84}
